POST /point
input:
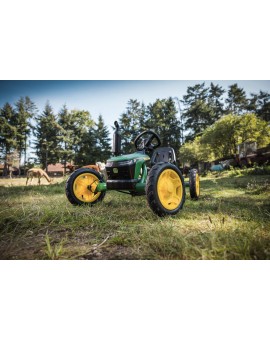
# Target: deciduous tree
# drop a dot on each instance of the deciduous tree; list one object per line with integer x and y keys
{"x": 74, "y": 126}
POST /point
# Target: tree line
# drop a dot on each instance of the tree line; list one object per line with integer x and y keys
{"x": 203, "y": 106}
{"x": 206, "y": 123}
{"x": 217, "y": 124}
{"x": 212, "y": 120}
{"x": 68, "y": 136}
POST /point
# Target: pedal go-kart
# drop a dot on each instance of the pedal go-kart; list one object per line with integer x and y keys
{"x": 151, "y": 170}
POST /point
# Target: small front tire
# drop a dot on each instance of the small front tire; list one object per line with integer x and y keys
{"x": 81, "y": 187}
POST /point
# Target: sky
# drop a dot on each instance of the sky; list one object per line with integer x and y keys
{"x": 108, "y": 98}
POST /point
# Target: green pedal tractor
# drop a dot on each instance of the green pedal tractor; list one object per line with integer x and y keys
{"x": 151, "y": 170}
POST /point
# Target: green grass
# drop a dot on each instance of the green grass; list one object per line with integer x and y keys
{"x": 230, "y": 221}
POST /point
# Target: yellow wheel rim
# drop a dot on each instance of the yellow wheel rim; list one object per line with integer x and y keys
{"x": 197, "y": 185}
{"x": 169, "y": 189}
{"x": 84, "y": 187}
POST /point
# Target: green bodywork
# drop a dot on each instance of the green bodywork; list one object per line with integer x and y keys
{"x": 140, "y": 169}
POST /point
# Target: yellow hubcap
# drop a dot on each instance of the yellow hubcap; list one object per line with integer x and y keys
{"x": 84, "y": 187}
{"x": 169, "y": 189}
{"x": 197, "y": 185}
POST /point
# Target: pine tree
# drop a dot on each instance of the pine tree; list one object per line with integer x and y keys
{"x": 65, "y": 136}
{"x": 199, "y": 109}
{"x": 162, "y": 118}
{"x": 131, "y": 124}
{"x": 95, "y": 144}
{"x": 215, "y": 100}
{"x": 194, "y": 93}
{"x": 47, "y": 137}
{"x": 87, "y": 148}
{"x": 25, "y": 111}
{"x": 102, "y": 139}
{"x": 7, "y": 133}
{"x": 260, "y": 104}
{"x": 236, "y": 101}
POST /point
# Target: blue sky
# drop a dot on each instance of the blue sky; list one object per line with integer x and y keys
{"x": 108, "y": 98}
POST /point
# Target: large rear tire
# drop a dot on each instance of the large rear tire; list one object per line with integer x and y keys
{"x": 194, "y": 184}
{"x": 165, "y": 189}
{"x": 81, "y": 187}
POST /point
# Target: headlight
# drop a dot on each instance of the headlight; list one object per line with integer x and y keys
{"x": 126, "y": 162}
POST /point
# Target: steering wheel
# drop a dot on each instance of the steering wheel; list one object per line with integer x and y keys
{"x": 145, "y": 143}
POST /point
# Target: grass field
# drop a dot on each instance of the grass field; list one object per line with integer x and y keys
{"x": 230, "y": 221}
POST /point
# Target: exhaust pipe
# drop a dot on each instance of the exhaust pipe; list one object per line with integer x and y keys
{"x": 116, "y": 148}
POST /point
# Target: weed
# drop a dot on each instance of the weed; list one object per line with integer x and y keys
{"x": 53, "y": 252}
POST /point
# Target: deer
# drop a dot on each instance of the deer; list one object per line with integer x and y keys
{"x": 99, "y": 167}
{"x": 35, "y": 172}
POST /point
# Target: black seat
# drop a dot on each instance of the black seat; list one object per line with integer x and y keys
{"x": 163, "y": 155}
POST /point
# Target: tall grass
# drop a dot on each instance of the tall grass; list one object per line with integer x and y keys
{"x": 229, "y": 221}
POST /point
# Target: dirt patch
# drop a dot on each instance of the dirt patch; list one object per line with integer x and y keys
{"x": 115, "y": 252}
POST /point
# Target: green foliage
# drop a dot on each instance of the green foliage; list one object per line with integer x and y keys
{"x": 74, "y": 136}
{"x": 74, "y": 125}
{"x": 237, "y": 101}
{"x": 203, "y": 106}
{"x": 131, "y": 124}
{"x": 215, "y": 100}
{"x": 7, "y": 130}
{"x": 53, "y": 252}
{"x": 24, "y": 112}
{"x": 94, "y": 145}
{"x": 250, "y": 128}
{"x": 260, "y": 104}
{"x": 47, "y": 137}
{"x": 230, "y": 130}
{"x": 102, "y": 140}
{"x": 221, "y": 139}
{"x": 221, "y": 136}
{"x": 195, "y": 151}
{"x": 162, "y": 118}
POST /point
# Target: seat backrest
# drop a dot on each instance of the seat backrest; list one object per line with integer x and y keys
{"x": 165, "y": 154}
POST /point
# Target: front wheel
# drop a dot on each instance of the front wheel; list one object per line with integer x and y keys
{"x": 165, "y": 190}
{"x": 81, "y": 187}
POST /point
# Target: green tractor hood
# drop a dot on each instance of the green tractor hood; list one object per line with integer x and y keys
{"x": 136, "y": 156}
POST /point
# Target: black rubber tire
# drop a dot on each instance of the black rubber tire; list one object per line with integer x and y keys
{"x": 194, "y": 195}
{"x": 151, "y": 189}
{"x": 69, "y": 187}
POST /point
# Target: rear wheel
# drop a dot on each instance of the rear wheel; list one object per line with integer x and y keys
{"x": 165, "y": 190}
{"x": 81, "y": 187}
{"x": 194, "y": 184}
